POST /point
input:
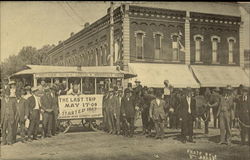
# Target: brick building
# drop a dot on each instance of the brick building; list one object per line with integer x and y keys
{"x": 198, "y": 44}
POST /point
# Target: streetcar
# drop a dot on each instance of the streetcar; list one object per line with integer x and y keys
{"x": 91, "y": 82}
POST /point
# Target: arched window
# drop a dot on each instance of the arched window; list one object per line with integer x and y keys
{"x": 139, "y": 36}
{"x": 231, "y": 41}
{"x": 157, "y": 44}
{"x": 198, "y": 39}
{"x": 215, "y": 55}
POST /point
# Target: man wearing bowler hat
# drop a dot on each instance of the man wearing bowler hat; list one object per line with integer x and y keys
{"x": 243, "y": 115}
{"x": 128, "y": 110}
{"x": 187, "y": 115}
{"x": 224, "y": 114}
{"x": 33, "y": 113}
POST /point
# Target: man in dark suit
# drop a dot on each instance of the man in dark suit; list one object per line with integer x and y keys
{"x": 111, "y": 103}
{"x": 46, "y": 106}
{"x": 20, "y": 116}
{"x": 157, "y": 113}
{"x": 243, "y": 115}
{"x": 117, "y": 111}
{"x": 55, "y": 107}
{"x": 214, "y": 104}
{"x": 128, "y": 110}
{"x": 7, "y": 118}
{"x": 187, "y": 113}
{"x": 33, "y": 113}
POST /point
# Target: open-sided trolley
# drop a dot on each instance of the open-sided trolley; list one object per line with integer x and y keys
{"x": 92, "y": 81}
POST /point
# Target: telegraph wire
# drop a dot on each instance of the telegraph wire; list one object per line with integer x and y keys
{"x": 65, "y": 10}
{"x": 67, "y": 3}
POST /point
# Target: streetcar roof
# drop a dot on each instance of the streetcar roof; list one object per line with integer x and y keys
{"x": 73, "y": 71}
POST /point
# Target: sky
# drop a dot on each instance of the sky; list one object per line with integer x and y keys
{"x": 40, "y": 23}
{"x": 37, "y": 23}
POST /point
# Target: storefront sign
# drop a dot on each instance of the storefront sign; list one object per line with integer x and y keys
{"x": 78, "y": 74}
{"x": 80, "y": 106}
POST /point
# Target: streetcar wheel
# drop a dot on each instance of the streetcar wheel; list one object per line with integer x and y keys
{"x": 65, "y": 125}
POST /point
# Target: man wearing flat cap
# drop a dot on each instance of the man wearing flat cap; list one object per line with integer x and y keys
{"x": 187, "y": 113}
{"x": 243, "y": 115}
{"x": 224, "y": 114}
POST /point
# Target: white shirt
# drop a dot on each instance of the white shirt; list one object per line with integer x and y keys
{"x": 37, "y": 100}
{"x": 189, "y": 102}
{"x": 166, "y": 91}
{"x": 27, "y": 96}
{"x": 13, "y": 92}
{"x": 157, "y": 101}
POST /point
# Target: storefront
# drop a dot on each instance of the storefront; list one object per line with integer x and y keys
{"x": 220, "y": 76}
{"x": 153, "y": 75}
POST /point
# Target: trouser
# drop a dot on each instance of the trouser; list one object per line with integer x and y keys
{"x": 198, "y": 123}
{"x": 117, "y": 124}
{"x": 34, "y": 123}
{"x": 159, "y": 128}
{"x": 21, "y": 124}
{"x": 14, "y": 129}
{"x": 244, "y": 131}
{"x": 216, "y": 120}
{"x": 111, "y": 123}
{"x": 131, "y": 121}
{"x": 187, "y": 126}
{"x": 145, "y": 118}
{"x": 173, "y": 123}
{"x": 47, "y": 123}
{"x": 205, "y": 118}
{"x": 7, "y": 131}
{"x": 54, "y": 122}
{"x": 225, "y": 132}
{"x": 105, "y": 120}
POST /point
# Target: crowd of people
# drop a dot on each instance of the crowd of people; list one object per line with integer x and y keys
{"x": 178, "y": 109}
{"x": 27, "y": 107}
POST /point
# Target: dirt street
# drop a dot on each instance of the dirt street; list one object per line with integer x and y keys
{"x": 79, "y": 144}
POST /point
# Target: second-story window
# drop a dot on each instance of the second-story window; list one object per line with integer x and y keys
{"x": 157, "y": 44}
{"x": 139, "y": 35}
{"x": 231, "y": 41}
{"x": 198, "y": 39}
{"x": 215, "y": 55}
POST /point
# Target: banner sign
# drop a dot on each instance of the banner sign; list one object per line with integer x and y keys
{"x": 80, "y": 106}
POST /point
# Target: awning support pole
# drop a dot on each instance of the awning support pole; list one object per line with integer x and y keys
{"x": 35, "y": 80}
{"x": 95, "y": 86}
{"x": 81, "y": 85}
{"x": 51, "y": 81}
{"x": 67, "y": 83}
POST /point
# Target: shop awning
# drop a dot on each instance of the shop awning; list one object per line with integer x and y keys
{"x": 220, "y": 76}
{"x": 153, "y": 75}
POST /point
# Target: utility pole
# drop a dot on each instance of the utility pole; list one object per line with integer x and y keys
{"x": 111, "y": 33}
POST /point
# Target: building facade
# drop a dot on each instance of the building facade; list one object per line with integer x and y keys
{"x": 158, "y": 33}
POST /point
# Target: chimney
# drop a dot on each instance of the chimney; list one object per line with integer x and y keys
{"x": 71, "y": 34}
{"x": 86, "y": 24}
